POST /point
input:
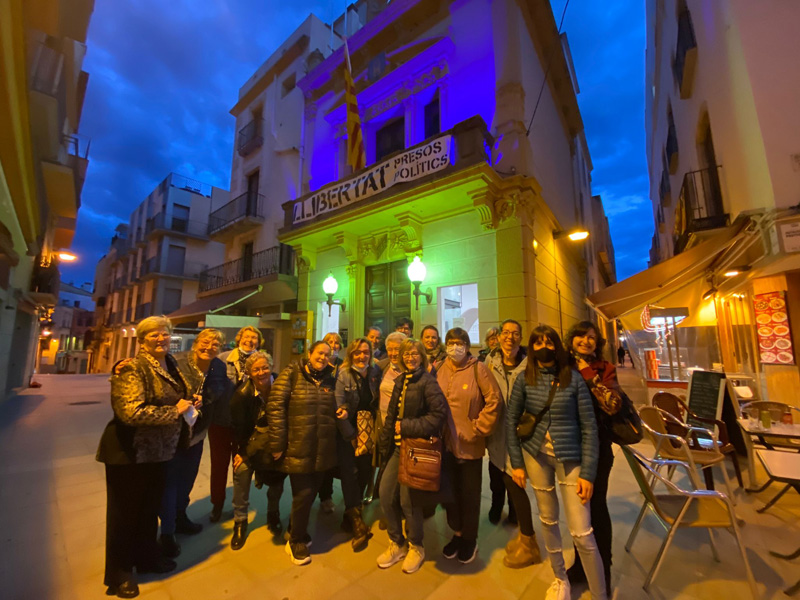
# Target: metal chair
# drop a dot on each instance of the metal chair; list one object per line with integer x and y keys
{"x": 678, "y": 409}
{"x": 707, "y": 509}
{"x": 677, "y": 448}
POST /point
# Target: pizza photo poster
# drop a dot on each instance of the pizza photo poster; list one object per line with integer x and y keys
{"x": 774, "y": 331}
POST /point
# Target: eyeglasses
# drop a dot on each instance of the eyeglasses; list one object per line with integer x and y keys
{"x": 157, "y": 336}
{"x": 506, "y": 333}
{"x": 411, "y": 354}
{"x": 452, "y": 343}
{"x": 207, "y": 346}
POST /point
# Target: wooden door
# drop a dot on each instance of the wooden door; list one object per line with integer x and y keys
{"x": 388, "y": 295}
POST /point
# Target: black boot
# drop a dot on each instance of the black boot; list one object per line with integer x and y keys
{"x": 170, "y": 546}
{"x": 216, "y": 513}
{"x": 495, "y": 512}
{"x": 274, "y": 522}
{"x": 128, "y": 589}
{"x": 184, "y": 525}
{"x": 239, "y": 535}
{"x": 361, "y": 532}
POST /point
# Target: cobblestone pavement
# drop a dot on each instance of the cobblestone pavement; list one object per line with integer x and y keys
{"x": 52, "y": 515}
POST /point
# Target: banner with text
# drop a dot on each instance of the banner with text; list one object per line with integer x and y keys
{"x": 408, "y": 166}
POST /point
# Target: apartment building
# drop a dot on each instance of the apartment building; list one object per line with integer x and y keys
{"x": 724, "y": 167}
{"x": 155, "y": 264}
{"x": 43, "y": 162}
{"x": 66, "y": 339}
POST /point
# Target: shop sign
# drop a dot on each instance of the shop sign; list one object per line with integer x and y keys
{"x": 773, "y": 329}
{"x": 408, "y": 166}
{"x": 790, "y": 236}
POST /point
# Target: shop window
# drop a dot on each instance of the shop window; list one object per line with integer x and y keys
{"x": 432, "y": 122}
{"x": 458, "y": 307}
{"x": 325, "y": 323}
{"x": 390, "y": 138}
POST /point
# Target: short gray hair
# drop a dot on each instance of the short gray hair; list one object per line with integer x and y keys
{"x": 256, "y": 356}
{"x": 396, "y": 337}
{"x": 151, "y": 324}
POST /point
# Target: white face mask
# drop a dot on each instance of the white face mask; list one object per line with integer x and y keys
{"x": 456, "y": 352}
{"x": 245, "y": 352}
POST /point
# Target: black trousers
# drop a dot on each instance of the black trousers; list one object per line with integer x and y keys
{"x": 601, "y": 519}
{"x": 326, "y": 488}
{"x": 518, "y": 498}
{"x": 463, "y": 514}
{"x": 133, "y": 498}
{"x": 354, "y": 471}
{"x": 304, "y": 489}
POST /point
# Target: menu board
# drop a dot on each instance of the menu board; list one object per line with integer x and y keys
{"x": 774, "y": 331}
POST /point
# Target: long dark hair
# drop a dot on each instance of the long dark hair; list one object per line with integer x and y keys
{"x": 579, "y": 330}
{"x": 563, "y": 367}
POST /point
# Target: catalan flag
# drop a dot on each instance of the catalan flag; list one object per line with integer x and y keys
{"x": 356, "y": 157}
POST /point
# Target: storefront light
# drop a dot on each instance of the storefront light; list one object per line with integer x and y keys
{"x": 416, "y": 275}
{"x": 330, "y": 286}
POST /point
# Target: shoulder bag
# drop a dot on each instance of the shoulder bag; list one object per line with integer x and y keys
{"x": 420, "y": 465}
{"x": 528, "y": 421}
{"x": 626, "y": 426}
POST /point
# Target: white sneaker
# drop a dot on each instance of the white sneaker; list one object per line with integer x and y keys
{"x": 558, "y": 590}
{"x": 414, "y": 559}
{"x": 392, "y": 555}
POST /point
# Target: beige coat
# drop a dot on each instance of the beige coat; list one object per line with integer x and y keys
{"x": 475, "y": 406}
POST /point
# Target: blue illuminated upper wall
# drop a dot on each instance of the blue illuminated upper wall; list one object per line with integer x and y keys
{"x": 477, "y": 59}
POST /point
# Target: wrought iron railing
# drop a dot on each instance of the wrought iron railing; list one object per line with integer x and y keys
{"x": 187, "y": 269}
{"x": 700, "y": 204}
{"x": 250, "y": 137}
{"x": 276, "y": 260}
{"x": 143, "y": 310}
{"x": 248, "y": 204}
{"x": 161, "y": 222}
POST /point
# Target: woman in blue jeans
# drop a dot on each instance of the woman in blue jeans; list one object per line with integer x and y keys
{"x": 562, "y": 448}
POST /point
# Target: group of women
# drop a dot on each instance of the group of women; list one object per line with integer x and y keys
{"x": 349, "y": 416}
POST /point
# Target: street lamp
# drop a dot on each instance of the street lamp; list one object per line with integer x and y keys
{"x": 416, "y": 274}
{"x": 67, "y": 256}
{"x": 330, "y": 286}
{"x": 575, "y": 235}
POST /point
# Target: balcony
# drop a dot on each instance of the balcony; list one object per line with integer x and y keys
{"x": 241, "y": 214}
{"x": 665, "y": 189}
{"x": 77, "y": 148}
{"x": 685, "y": 61}
{"x": 700, "y": 207}
{"x": 672, "y": 146}
{"x": 187, "y": 270}
{"x": 250, "y": 137}
{"x": 161, "y": 223}
{"x": 278, "y": 260}
{"x": 48, "y": 97}
{"x": 143, "y": 311}
{"x": 129, "y": 315}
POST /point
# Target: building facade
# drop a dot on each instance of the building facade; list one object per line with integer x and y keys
{"x": 154, "y": 265}
{"x": 724, "y": 168}
{"x": 65, "y": 346}
{"x": 43, "y": 162}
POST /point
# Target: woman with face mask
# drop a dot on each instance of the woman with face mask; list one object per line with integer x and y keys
{"x": 474, "y": 400}
{"x": 248, "y": 340}
{"x": 563, "y": 449}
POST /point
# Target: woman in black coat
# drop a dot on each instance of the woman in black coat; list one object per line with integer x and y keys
{"x": 417, "y": 409}
{"x": 301, "y": 415}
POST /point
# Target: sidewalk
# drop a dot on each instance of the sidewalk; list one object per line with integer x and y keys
{"x": 52, "y": 515}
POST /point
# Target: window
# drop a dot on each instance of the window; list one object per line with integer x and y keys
{"x": 180, "y": 218}
{"x": 432, "y": 124}
{"x": 458, "y": 307}
{"x": 326, "y": 324}
{"x": 172, "y": 300}
{"x": 390, "y": 138}
{"x": 287, "y": 85}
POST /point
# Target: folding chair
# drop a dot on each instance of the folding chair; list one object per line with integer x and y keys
{"x": 708, "y": 509}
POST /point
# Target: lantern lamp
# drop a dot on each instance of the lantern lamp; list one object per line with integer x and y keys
{"x": 330, "y": 286}
{"x": 416, "y": 275}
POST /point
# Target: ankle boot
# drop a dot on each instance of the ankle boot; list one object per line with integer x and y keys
{"x": 239, "y": 535}
{"x": 361, "y": 532}
{"x": 513, "y": 543}
{"x": 170, "y": 546}
{"x": 526, "y": 553}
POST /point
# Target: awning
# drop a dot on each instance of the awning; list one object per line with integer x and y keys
{"x": 674, "y": 282}
{"x": 198, "y": 309}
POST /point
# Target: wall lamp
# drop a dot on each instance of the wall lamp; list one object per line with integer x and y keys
{"x": 330, "y": 286}
{"x": 734, "y": 271}
{"x": 416, "y": 274}
{"x": 576, "y": 235}
{"x": 710, "y": 293}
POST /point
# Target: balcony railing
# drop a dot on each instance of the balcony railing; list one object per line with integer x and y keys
{"x": 142, "y": 311}
{"x": 249, "y": 206}
{"x": 129, "y": 314}
{"x": 173, "y": 224}
{"x": 250, "y": 137}
{"x": 188, "y": 269}
{"x": 685, "y": 54}
{"x": 77, "y": 147}
{"x": 276, "y": 260}
{"x": 700, "y": 204}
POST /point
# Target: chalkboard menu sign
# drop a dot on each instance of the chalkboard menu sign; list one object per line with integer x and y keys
{"x": 706, "y": 391}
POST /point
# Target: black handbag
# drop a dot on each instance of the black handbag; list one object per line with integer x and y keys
{"x": 626, "y": 426}
{"x": 528, "y": 421}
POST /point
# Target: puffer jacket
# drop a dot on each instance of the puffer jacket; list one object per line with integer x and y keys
{"x": 301, "y": 415}
{"x": 146, "y": 425}
{"x": 570, "y": 421}
{"x": 475, "y": 406}
{"x": 496, "y": 442}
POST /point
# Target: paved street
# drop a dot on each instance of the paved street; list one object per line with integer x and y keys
{"x": 52, "y": 514}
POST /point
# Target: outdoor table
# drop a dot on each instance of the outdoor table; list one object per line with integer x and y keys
{"x": 783, "y": 467}
{"x": 751, "y": 428}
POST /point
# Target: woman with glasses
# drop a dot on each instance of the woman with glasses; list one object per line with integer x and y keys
{"x": 562, "y": 448}
{"x": 417, "y": 409}
{"x": 149, "y": 397}
{"x": 357, "y": 389}
{"x": 474, "y": 400}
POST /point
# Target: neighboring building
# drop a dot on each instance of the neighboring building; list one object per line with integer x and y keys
{"x": 64, "y": 347}
{"x": 723, "y": 149}
{"x": 43, "y": 164}
{"x": 155, "y": 268}
{"x": 103, "y": 332}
